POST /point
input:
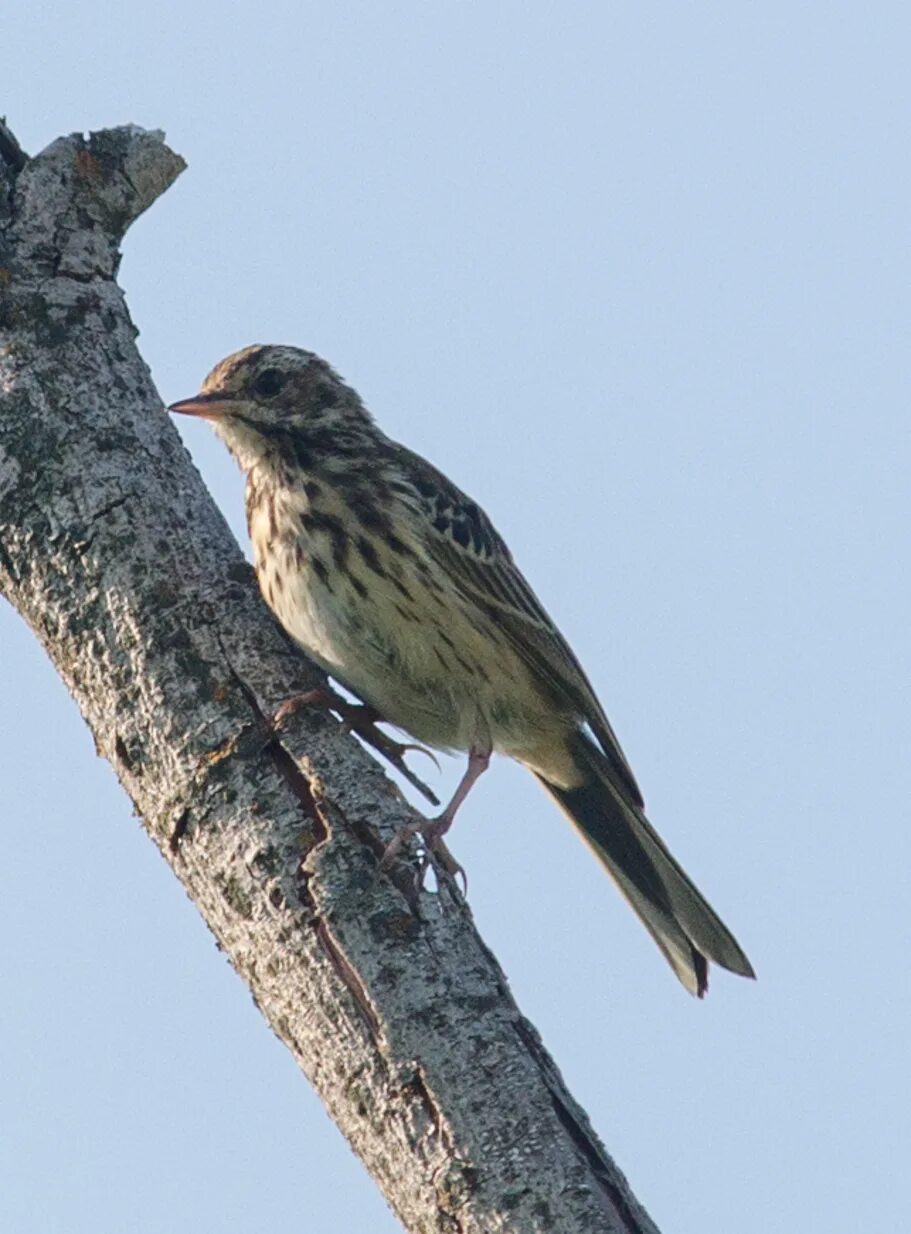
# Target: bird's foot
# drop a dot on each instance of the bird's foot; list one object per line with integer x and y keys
{"x": 432, "y": 830}
{"x": 359, "y": 718}
{"x": 436, "y": 853}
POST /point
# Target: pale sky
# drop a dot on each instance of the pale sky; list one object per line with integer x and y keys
{"x": 637, "y": 278}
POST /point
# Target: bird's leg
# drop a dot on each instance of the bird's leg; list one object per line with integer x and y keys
{"x": 478, "y": 762}
{"x": 432, "y": 830}
{"x": 362, "y": 719}
{"x": 327, "y": 698}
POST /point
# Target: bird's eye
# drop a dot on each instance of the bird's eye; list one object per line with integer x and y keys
{"x": 325, "y": 396}
{"x": 269, "y": 383}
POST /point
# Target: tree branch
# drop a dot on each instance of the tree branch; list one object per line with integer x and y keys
{"x": 113, "y": 552}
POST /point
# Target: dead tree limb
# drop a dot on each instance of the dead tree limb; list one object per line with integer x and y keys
{"x": 113, "y": 552}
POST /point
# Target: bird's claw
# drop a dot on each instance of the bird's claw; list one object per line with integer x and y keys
{"x": 360, "y": 718}
{"x": 436, "y": 853}
{"x": 390, "y": 747}
{"x": 442, "y": 859}
{"x": 319, "y": 697}
{"x": 394, "y": 751}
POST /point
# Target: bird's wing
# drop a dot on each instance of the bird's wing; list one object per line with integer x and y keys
{"x": 465, "y": 544}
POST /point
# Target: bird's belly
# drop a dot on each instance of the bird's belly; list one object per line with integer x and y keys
{"x": 313, "y": 617}
{"x": 438, "y": 682}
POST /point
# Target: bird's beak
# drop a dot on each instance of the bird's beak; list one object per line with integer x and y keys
{"x": 208, "y": 406}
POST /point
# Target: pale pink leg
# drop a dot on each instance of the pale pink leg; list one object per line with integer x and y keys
{"x": 478, "y": 762}
{"x": 362, "y": 719}
{"x": 432, "y": 830}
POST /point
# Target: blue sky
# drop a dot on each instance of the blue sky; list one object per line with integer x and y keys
{"x": 636, "y": 277}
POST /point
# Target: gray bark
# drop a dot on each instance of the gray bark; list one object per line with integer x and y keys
{"x": 114, "y": 553}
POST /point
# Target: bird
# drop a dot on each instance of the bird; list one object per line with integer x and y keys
{"x": 398, "y": 585}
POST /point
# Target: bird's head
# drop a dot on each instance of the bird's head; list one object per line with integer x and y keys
{"x": 270, "y": 400}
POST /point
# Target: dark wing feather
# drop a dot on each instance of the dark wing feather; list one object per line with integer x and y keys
{"x": 466, "y": 545}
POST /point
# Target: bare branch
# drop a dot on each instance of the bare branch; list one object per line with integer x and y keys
{"x": 113, "y": 552}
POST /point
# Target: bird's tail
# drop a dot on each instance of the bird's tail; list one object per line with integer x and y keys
{"x": 685, "y": 927}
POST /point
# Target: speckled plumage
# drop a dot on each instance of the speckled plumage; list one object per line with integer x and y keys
{"x": 399, "y": 586}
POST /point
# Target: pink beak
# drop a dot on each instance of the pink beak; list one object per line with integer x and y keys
{"x": 207, "y": 406}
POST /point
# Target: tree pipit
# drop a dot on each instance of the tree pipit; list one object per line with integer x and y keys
{"x": 399, "y": 586}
